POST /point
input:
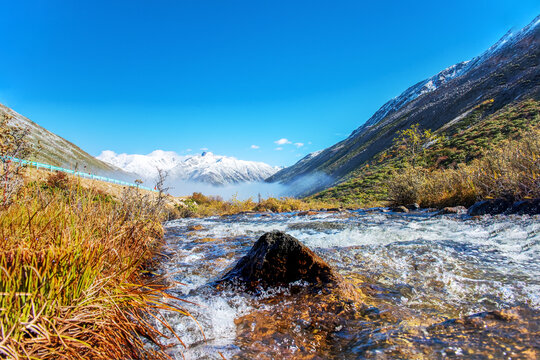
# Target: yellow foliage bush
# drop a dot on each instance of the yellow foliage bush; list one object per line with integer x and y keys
{"x": 510, "y": 171}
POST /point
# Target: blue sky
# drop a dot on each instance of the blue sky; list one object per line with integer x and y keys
{"x": 230, "y": 76}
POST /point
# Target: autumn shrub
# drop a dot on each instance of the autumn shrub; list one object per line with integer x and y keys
{"x": 448, "y": 188}
{"x": 510, "y": 170}
{"x": 199, "y": 198}
{"x": 57, "y": 179}
{"x": 406, "y": 186}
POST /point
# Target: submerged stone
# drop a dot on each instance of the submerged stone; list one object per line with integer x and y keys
{"x": 307, "y": 213}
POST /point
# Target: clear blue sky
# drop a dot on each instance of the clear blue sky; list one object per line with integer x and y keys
{"x": 135, "y": 76}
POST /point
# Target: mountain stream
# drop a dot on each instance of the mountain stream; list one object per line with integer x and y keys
{"x": 429, "y": 287}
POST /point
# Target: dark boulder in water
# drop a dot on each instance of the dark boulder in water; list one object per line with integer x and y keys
{"x": 278, "y": 259}
{"x": 502, "y": 206}
{"x": 525, "y": 207}
{"x": 489, "y": 207}
{"x": 325, "y": 304}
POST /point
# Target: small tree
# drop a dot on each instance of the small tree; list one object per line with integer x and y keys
{"x": 160, "y": 187}
{"x": 414, "y": 141}
{"x": 13, "y": 144}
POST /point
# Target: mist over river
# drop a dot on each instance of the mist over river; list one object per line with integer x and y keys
{"x": 419, "y": 278}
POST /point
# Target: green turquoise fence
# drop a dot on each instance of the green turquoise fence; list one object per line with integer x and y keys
{"x": 39, "y": 165}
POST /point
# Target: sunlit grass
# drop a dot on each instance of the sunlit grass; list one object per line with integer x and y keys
{"x": 444, "y": 172}
{"x": 202, "y": 205}
{"x": 510, "y": 171}
{"x": 72, "y": 276}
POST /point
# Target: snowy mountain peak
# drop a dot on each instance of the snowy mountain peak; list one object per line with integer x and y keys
{"x": 433, "y": 83}
{"x": 206, "y": 167}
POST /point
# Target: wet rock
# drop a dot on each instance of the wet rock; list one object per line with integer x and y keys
{"x": 195, "y": 228}
{"x": 399, "y": 209}
{"x": 489, "y": 207}
{"x": 412, "y": 207}
{"x": 307, "y": 213}
{"x": 453, "y": 210}
{"x": 334, "y": 210}
{"x": 278, "y": 259}
{"x": 525, "y": 207}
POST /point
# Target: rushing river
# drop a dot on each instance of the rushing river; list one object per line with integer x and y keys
{"x": 418, "y": 276}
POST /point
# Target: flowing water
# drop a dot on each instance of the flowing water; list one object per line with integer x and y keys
{"x": 419, "y": 278}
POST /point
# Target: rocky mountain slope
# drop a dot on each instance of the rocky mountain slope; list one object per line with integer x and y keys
{"x": 50, "y": 148}
{"x": 207, "y": 167}
{"x": 507, "y": 72}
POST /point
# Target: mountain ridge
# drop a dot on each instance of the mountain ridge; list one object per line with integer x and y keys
{"x": 507, "y": 71}
{"x": 52, "y": 149}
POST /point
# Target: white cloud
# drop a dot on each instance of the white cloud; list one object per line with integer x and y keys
{"x": 282, "y": 141}
{"x": 298, "y": 144}
{"x": 279, "y": 148}
{"x": 255, "y": 146}
{"x": 189, "y": 150}
{"x": 204, "y": 149}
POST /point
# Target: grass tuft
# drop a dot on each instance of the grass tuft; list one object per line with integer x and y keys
{"x": 72, "y": 275}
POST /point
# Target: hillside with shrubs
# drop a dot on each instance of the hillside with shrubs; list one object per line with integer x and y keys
{"x": 481, "y": 156}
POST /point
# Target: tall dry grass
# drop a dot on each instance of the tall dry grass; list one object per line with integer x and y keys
{"x": 73, "y": 283}
{"x": 510, "y": 171}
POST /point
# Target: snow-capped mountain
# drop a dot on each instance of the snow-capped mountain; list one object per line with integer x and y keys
{"x": 207, "y": 167}
{"x": 506, "y": 72}
{"x": 433, "y": 83}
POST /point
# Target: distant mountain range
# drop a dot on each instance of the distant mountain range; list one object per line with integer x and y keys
{"x": 507, "y": 72}
{"x": 206, "y": 168}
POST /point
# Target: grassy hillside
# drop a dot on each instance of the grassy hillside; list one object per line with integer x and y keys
{"x": 461, "y": 142}
{"x": 495, "y": 79}
{"x": 52, "y": 149}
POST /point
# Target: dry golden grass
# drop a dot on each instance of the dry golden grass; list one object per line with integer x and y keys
{"x": 72, "y": 275}
{"x": 115, "y": 190}
{"x": 201, "y": 205}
